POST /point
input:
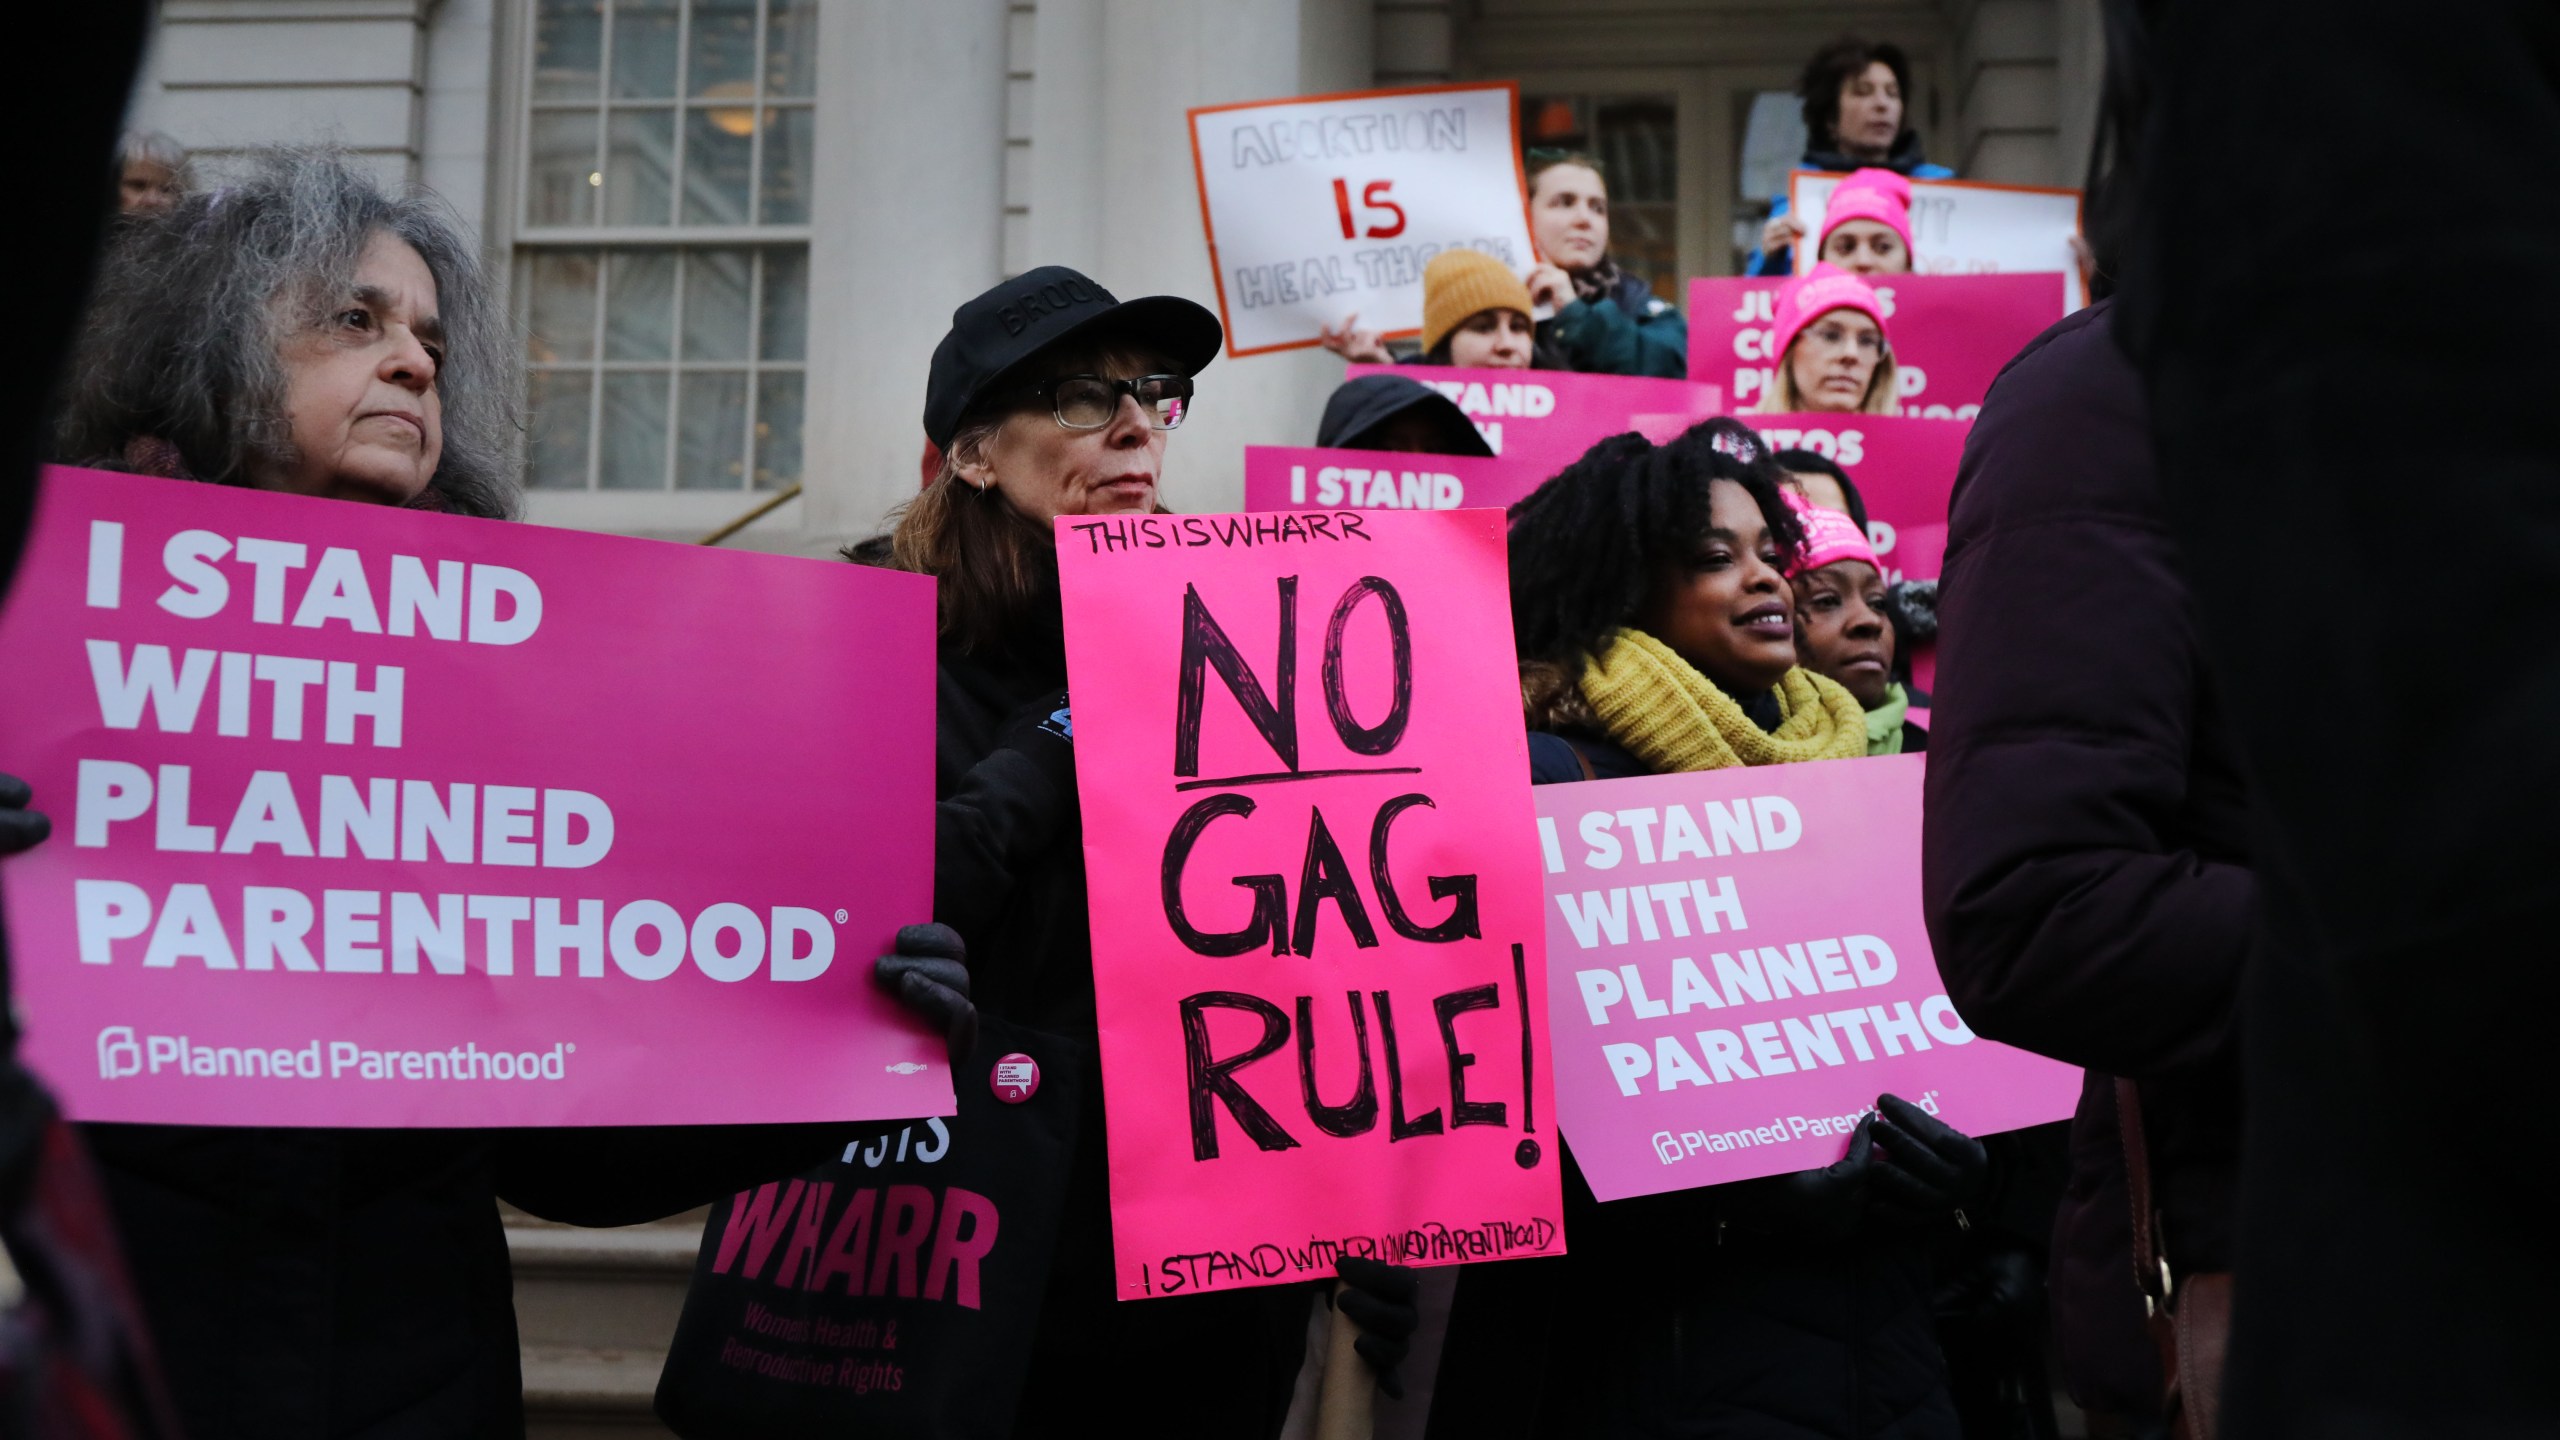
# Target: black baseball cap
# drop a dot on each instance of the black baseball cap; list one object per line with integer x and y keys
{"x": 994, "y": 334}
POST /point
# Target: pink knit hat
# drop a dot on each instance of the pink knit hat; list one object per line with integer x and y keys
{"x": 1808, "y": 298}
{"x": 1829, "y": 538}
{"x": 1878, "y": 195}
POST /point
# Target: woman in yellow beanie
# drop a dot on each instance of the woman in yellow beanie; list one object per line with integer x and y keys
{"x": 1475, "y": 313}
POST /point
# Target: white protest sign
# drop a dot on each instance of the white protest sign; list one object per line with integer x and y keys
{"x": 1968, "y": 227}
{"x": 1323, "y": 207}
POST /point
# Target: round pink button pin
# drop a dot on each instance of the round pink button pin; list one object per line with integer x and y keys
{"x": 1015, "y": 1079}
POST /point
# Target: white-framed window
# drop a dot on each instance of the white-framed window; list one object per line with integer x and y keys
{"x": 661, "y": 232}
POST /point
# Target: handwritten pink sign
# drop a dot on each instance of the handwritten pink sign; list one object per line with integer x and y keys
{"x": 1951, "y": 334}
{"x": 1313, "y": 875}
{"x": 1542, "y": 420}
{"x": 369, "y": 817}
{"x": 1740, "y": 968}
{"x": 1282, "y": 477}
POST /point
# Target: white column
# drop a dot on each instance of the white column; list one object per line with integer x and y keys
{"x": 906, "y": 222}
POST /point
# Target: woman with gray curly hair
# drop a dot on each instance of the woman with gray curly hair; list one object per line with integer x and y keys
{"x": 301, "y": 331}
{"x": 305, "y": 332}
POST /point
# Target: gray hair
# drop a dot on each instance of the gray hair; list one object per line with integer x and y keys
{"x": 160, "y": 148}
{"x": 183, "y": 341}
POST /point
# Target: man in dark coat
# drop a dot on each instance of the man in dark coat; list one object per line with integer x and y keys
{"x": 2086, "y": 862}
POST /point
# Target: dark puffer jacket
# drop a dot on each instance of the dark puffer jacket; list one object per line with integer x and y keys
{"x": 1695, "y": 1313}
{"x": 2086, "y": 864}
{"x": 1009, "y": 876}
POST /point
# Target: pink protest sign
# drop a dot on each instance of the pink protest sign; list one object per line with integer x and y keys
{"x": 1951, "y": 334}
{"x": 1281, "y": 477}
{"x": 369, "y": 817}
{"x": 1741, "y": 968}
{"x": 1313, "y": 873}
{"x": 1542, "y": 420}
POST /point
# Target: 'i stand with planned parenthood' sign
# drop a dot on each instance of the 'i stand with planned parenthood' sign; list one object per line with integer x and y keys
{"x": 364, "y": 816}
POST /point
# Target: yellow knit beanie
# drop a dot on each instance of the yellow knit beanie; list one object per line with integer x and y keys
{"x": 1458, "y": 284}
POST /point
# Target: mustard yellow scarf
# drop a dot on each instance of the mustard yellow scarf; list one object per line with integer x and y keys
{"x": 1673, "y": 718}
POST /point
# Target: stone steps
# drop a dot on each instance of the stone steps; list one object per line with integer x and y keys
{"x": 595, "y": 1310}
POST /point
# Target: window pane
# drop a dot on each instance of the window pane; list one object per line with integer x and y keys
{"x": 778, "y": 409}
{"x": 1639, "y": 150}
{"x": 561, "y": 186}
{"x": 723, "y": 53}
{"x": 562, "y": 315}
{"x": 568, "y": 43}
{"x": 718, "y": 144}
{"x": 711, "y": 440}
{"x": 635, "y": 432}
{"x": 791, "y": 48}
{"x": 644, "y": 49}
{"x": 640, "y": 299}
{"x": 784, "y": 323}
{"x": 638, "y": 164}
{"x": 556, "y": 456}
{"x": 786, "y": 166}
{"x": 715, "y": 304}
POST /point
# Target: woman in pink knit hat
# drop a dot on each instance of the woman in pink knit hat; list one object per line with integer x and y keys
{"x": 1866, "y": 229}
{"x": 1829, "y": 347}
{"x": 1842, "y": 632}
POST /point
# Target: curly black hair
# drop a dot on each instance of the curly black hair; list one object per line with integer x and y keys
{"x": 1588, "y": 546}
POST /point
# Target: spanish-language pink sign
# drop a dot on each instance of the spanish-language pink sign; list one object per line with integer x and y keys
{"x": 1951, "y": 334}
{"x": 1542, "y": 420}
{"x": 1282, "y": 477}
{"x": 1739, "y": 968}
{"x": 1318, "y": 962}
{"x": 369, "y": 817}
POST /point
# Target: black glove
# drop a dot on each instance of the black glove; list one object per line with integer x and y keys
{"x": 1824, "y": 1204}
{"x": 1044, "y": 731}
{"x": 20, "y": 827}
{"x": 1924, "y": 1166}
{"x": 1379, "y": 1299}
{"x": 929, "y": 974}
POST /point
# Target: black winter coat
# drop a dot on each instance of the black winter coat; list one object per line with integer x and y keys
{"x": 1685, "y": 1314}
{"x": 1009, "y": 876}
{"x": 2086, "y": 863}
{"x": 353, "y": 1284}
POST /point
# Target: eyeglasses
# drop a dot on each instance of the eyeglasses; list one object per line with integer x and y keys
{"x": 1087, "y": 402}
{"x": 1836, "y": 336}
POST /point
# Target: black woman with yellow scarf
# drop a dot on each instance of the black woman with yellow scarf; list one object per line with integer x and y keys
{"x": 1648, "y": 585}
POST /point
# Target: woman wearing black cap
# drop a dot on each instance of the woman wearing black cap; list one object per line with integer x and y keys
{"x": 1051, "y": 397}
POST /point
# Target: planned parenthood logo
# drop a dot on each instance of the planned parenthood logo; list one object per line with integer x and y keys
{"x": 119, "y": 1054}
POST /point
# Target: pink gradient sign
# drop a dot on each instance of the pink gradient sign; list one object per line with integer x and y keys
{"x": 1318, "y": 961}
{"x": 1739, "y": 968}
{"x": 1951, "y": 334}
{"x": 1281, "y": 477}
{"x": 368, "y": 817}
{"x": 1542, "y": 420}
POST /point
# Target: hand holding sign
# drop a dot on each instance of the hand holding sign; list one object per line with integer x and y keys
{"x": 20, "y": 827}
